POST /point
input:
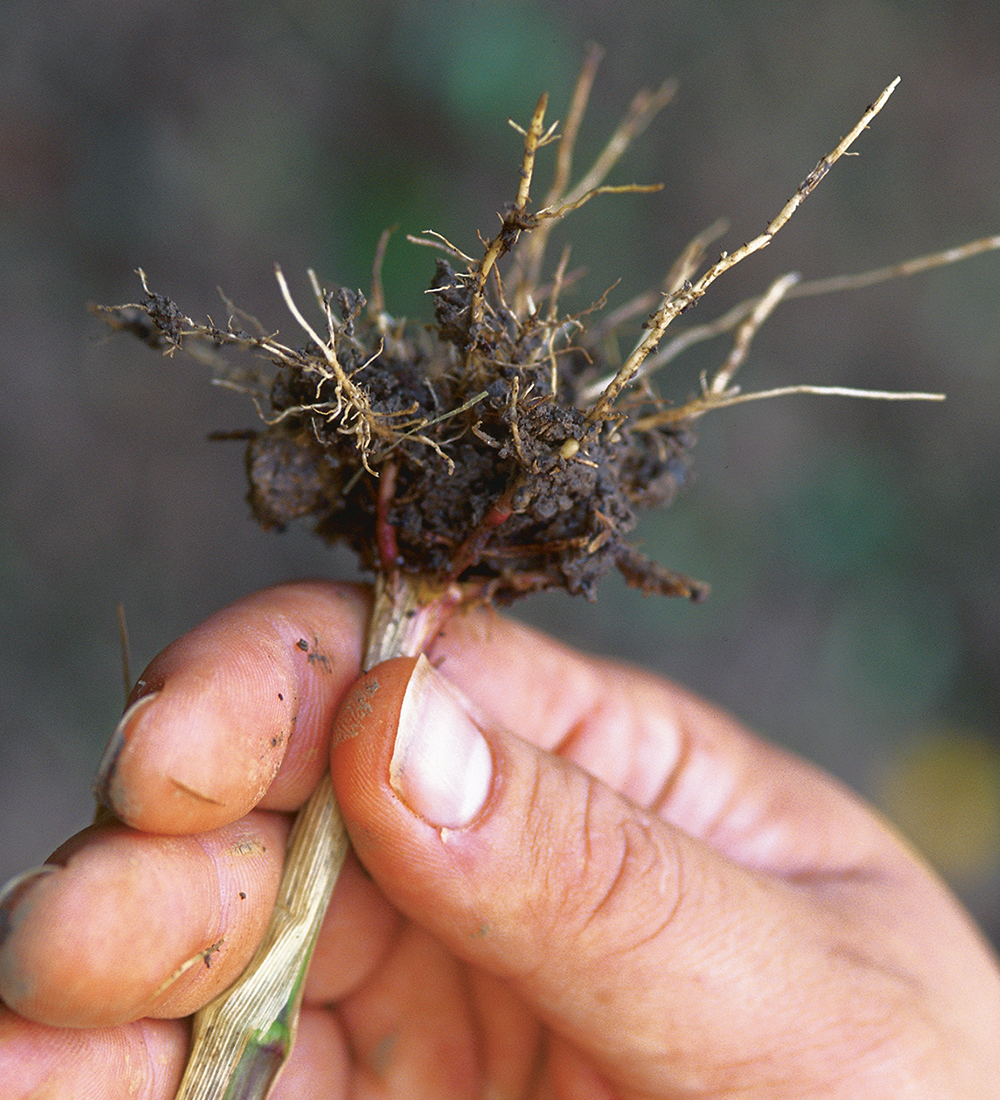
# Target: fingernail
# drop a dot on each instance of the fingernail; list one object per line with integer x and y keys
{"x": 12, "y": 893}
{"x": 441, "y": 766}
{"x": 104, "y": 783}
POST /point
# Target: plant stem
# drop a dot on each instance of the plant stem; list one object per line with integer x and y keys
{"x": 243, "y": 1038}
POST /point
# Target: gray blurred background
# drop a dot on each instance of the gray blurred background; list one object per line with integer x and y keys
{"x": 851, "y": 546}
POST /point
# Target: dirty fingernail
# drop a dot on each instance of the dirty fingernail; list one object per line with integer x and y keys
{"x": 104, "y": 783}
{"x": 12, "y": 894}
{"x": 441, "y": 765}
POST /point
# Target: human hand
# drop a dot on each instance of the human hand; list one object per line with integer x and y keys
{"x": 632, "y": 897}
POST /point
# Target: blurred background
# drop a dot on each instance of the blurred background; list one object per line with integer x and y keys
{"x": 851, "y": 546}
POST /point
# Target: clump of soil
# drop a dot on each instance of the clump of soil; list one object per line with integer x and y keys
{"x": 482, "y": 474}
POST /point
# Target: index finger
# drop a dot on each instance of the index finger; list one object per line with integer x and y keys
{"x": 236, "y": 713}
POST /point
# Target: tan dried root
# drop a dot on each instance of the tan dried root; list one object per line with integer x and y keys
{"x": 739, "y": 314}
{"x": 688, "y": 294}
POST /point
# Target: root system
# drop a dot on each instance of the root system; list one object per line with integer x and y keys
{"x": 491, "y": 447}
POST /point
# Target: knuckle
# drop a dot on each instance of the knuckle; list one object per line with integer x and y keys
{"x": 618, "y": 881}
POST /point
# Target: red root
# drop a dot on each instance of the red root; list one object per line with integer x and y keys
{"x": 385, "y": 533}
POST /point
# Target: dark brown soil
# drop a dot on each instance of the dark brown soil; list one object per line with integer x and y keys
{"x": 491, "y": 492}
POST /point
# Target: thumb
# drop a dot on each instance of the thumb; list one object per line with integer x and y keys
{"x": 663, "y": 963}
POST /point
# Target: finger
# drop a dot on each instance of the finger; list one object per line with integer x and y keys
{"x": 398, "y": 992}
{"x": 625, "y": 934}
{"x": 143, "y": 1059}
{"x": 320, "y": 1063}
{"x": 147, "y": 1059}
{"x": 424, "y": 1026}
{"x": 125, "y": 925}
{"x": 408, "y": 1027}
{"x": 357, "y": 932}
{"x": 237, "y": 712}
{"x": 661, "y": 747}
